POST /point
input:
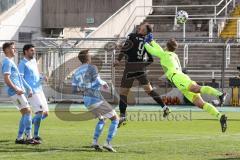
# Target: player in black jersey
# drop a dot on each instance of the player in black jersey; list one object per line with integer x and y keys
{"x": 137, "y": 59}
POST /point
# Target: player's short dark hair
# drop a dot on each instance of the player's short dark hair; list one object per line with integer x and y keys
{"x": 27, "y": 47}
{"x": 172, "y": 45}
{"x": 7, "y": 45}
{"x": 83, "y": 56}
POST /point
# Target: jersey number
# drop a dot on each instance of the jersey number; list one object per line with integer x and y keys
{"x": 140, "y": 50}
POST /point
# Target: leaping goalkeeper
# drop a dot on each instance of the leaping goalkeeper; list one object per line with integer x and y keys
{"x": 190, "y": 89}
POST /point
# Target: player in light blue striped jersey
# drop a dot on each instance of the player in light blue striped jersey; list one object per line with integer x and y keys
{"x": 17, "y": 90}
{"x": 87, "y": 79}
{"x": 28, "y": 69}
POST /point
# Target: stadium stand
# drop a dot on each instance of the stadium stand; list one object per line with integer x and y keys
{"x": 203, "y": 61}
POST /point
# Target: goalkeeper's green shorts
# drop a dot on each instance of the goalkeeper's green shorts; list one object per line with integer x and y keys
{"x": 183, "y": 83}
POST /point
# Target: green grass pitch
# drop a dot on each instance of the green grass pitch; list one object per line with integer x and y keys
{"x": 144, "y": 137}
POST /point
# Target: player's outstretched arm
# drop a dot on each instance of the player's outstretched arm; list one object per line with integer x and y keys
{"x": 156, "y": 45}
{"x": 154, "y": 49}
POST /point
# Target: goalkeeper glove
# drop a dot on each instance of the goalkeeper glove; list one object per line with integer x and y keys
{"x": 148, "y": 38}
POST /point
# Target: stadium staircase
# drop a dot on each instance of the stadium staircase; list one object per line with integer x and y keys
{"x": 164, "y": 26}
{"x": 204, "y": 60}
{"x": 230, "y": 29}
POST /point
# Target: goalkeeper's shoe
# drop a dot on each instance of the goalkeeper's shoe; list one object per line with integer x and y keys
{"x": 223, "y": 121}
{"x": 109, "y": 147}
{"x": 20, "y": 141}
{"x": 166, "y": 111}
{"x": 222, "y": 98}
{"x": 122, "y": 121}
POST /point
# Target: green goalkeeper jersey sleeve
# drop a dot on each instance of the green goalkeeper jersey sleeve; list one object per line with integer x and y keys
{"x": 168, "y": 60}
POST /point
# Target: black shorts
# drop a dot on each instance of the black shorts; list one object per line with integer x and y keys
{"x": 129, "y": 77}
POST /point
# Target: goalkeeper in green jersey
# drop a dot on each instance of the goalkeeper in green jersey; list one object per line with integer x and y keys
{"x": 190, "y": 89}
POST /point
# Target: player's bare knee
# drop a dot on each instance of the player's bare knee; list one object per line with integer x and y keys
{"x": 124, "y": 91}
{"x": 199, "y": 102}
{"x": 195, "y": 88}
{"x": 115, "y": 117}
{"x": 102, "y": 119}
{"x": 148, "y": 88}
{"x": 46, "y": 114}
{"x": 147, "y": 91}
{"x": 25, "y": 111}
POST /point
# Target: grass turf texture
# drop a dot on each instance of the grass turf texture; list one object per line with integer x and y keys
{"x": 142, "y": 138}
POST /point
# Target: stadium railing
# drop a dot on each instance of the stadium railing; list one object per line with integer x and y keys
{"x": 216, "y": 17}
{"x": 52, "y": 58}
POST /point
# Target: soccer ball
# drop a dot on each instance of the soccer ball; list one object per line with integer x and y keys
{"x": 182, "y": 16}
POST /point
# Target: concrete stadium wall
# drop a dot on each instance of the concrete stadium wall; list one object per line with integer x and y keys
{"x": 123, "y": 21}
{"x": 74, "y": 13}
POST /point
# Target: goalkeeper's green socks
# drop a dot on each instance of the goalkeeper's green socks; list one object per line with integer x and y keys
{"x": 210, "y": 91}
{"x": 212, "y": 110}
